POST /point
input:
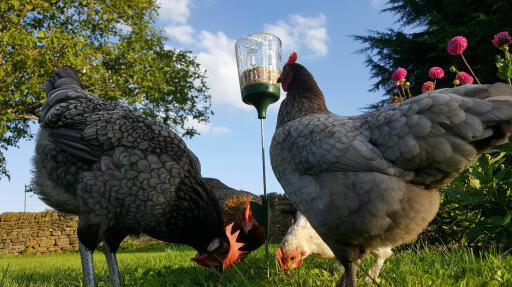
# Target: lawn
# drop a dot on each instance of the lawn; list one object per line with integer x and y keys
{"x": 171, "y": 266}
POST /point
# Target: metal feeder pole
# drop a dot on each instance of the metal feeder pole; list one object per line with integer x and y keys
{"x": 265, "y": 195}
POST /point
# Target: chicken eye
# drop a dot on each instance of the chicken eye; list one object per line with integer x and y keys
{"x": 292, "y": 258}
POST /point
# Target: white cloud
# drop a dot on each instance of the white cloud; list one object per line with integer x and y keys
{"x": 217, "y": 56}
{"x": 182, "y": 33}
{"x": 377, "y": 4}
{"x": 302, "y": 33}
{"x": 175, "y": 11}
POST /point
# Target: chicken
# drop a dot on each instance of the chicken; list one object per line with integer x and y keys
{"x": 372, "y": 180}
{"x": 123, "y": 173}
{"x": 237, "y": 209}
{"x": 301, "y": 241}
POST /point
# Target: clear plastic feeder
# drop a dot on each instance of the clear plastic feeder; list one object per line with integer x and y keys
{"x": 258, "y": 58}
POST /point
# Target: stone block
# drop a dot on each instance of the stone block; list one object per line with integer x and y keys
{"x": 47, "y": 243}
{"x": 41, "y": 250}
{"x": 43, "y": 233}
{"x": 62, "y": 242}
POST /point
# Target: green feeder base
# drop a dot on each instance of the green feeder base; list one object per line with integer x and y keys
{"x": 261, "y": 213}
{"x": 261, "y": 96}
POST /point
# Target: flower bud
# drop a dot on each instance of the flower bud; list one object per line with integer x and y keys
{"x": 455, "y": 82}
{"x": 505, "y": 48}
{"x": 453, "y": 69}
{"x": 407, "y": 84}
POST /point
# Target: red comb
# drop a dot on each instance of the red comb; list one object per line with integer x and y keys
{"x": 247, "y": 213}
{"x": 292, "y": 59}
{"x": 234, "y": 248}
{"x": 279, "y": 256}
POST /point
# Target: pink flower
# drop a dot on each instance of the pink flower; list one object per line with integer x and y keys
{"x": 436, "y": 73}
{"x": 464, "y": 78}
{"x": 427, "y": 87}
{"x": 399, "y": 75}
{"x": 457, "y": 45}
{"x": 501, "y": 39}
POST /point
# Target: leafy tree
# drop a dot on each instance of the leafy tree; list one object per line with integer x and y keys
{"x": 434, "y": 23}
{"x": 114, "y": 47}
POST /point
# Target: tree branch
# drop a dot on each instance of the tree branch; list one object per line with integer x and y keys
{"x": 29, "y": 109}
{"x": 27, "y": 8}
{"x": 27, "y": 117}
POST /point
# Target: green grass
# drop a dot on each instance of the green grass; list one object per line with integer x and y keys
{"x": 171, "y": 266}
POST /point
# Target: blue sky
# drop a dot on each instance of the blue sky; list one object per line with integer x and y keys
{"x": 229, "y": 146}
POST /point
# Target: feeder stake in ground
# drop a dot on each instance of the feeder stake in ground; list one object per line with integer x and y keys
{"x": 258, "y": 59}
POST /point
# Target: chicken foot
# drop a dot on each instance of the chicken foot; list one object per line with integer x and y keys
{"x": 87, "y": 265}
{"x": 113, "y": 268}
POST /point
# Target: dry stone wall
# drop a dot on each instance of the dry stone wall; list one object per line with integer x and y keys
{"x": 54, "y": 232}
{"x": 45, "y": 232}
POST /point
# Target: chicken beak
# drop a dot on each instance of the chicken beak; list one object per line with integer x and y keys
{"x": 206, "y": 260}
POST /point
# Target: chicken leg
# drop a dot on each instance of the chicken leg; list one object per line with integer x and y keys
{"x": 350, "y": 257}
{"x": 381, "y": 254}
{"x": 349, "y": 278}
{"x": 113, "y": 268}
{"x": 87, "y": 265}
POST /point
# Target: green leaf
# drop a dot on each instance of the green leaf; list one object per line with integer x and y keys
{"x": 506, "y": 219}
{"x": 505, "y": 71}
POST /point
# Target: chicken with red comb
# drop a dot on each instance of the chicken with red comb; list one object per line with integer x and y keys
{"x": 372, "y": 180}
{"x": 302, "y": 241}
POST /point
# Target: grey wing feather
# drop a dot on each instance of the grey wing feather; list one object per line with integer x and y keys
{"x": 326, "y": 142}
{"x": 447, "y": 130}
{"x": 427, "y": 140}
{"x": 70, "y": 140}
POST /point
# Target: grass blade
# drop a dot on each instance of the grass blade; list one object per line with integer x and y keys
{"x": 5, "y": 274}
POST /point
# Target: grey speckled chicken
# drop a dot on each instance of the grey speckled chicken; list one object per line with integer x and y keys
{"x": 371, "y": 180}
{"x": 122, "y": 173}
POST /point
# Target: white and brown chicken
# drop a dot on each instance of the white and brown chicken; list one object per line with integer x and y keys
{"x": 302, "y": 241}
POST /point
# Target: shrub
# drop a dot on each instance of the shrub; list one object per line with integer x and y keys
{"x": 477, "y": 206}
